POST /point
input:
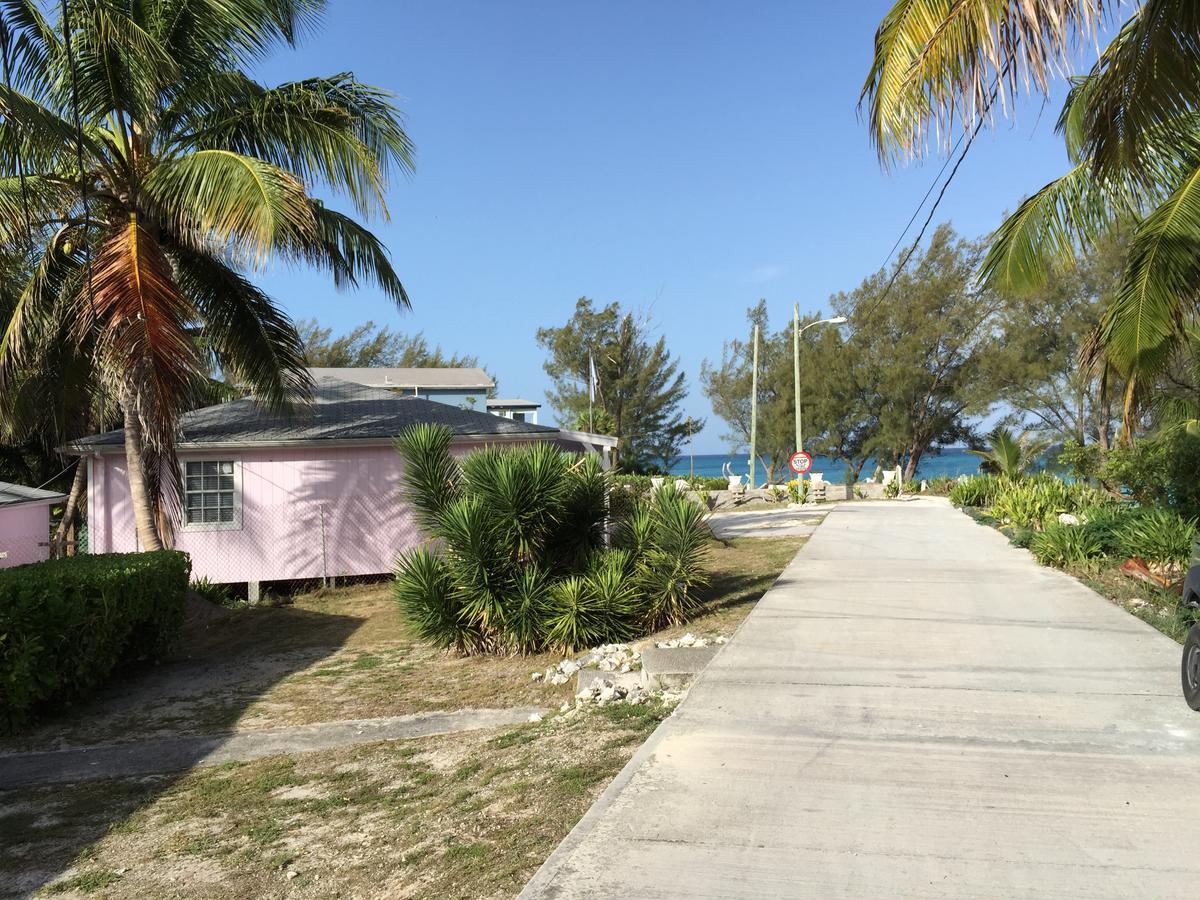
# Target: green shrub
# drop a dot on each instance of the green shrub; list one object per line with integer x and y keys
{"x": 1156, "y": 535}
{"x": 67, "y": 623}
{"x": 214, "y": 593}
{"x": 1158, "y": 472}
{"x": 521, "y": 564}
{"x": 1037, "y": 502}
{"x": 1021, "y": 537}
{"x": 977, "y": 491}
{"x": 1061, "y": 545}
{"x": 941, "y": 486}
{"x": 670, "y": 566}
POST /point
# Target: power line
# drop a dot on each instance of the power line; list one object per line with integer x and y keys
{"x": 936, "y": 203}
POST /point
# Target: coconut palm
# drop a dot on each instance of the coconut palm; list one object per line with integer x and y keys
{"x": 1132, "y": 130}
{"x": 147, "y": 176}
{"x": 1009, "y": 454}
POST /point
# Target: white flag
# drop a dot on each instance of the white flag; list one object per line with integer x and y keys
{"x": 593, "y": 380}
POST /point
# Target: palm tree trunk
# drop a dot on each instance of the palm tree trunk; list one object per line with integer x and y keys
{"x": 143, "y": 509}
{"x": 68, "y": 518}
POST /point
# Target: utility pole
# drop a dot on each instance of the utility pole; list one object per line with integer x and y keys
{"x": 796, "y": 370}
{"x": 754, "y": 408}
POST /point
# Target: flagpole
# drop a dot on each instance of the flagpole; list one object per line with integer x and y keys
{"x": 754, "y": 408}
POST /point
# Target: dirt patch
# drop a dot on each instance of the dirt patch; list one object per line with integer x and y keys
{"x": 458, "y": 816}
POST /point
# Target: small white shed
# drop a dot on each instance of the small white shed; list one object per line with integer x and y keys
{"x": 25, "y": 524}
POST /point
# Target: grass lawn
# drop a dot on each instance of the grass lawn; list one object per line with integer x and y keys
{"x": 464, "y": 815}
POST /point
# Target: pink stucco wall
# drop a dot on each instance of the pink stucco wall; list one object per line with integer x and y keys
{"x": 306, "y": 513}
{"x": 24, "y": 534}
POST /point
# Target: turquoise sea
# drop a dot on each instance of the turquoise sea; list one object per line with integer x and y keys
{"x": 950, "y": 461}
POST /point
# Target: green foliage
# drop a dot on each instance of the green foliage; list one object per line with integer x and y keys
{"x": 670, "y": 568}
{"x": 521, "y": 565}
{"x": 941, "y": 486}
{"x": 1021, "y": 537}
{"x": 432, "y": 475}
{"x": 1082, "y": 462}
{"x": 213, "y": 593}
{"x": 1161, "y": 471}
{"x": 798, "y": 489}
{"x": 891, "y": 490}
{"x": 1062, "y": 545}
{"x": 1010, "y": 455}
{"x": 639, "y": 390}
{"x": 370, "y": 346}
{"x": 425, "y": 592}
{"x": 1156, "y": 535}
{"x": 67, "y": 623}
{"x": 977, "y": 491}
{"x": 1036, "y": 502}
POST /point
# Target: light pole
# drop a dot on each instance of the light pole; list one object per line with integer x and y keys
{"x": 796, "y": 332}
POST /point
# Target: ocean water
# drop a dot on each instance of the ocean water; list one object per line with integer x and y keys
{"x": 950, "y": 462}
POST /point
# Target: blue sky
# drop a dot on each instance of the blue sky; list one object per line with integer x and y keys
{"x": 685, "y": 158}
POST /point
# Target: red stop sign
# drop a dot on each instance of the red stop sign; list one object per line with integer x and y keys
{"x": 800, "y": 462}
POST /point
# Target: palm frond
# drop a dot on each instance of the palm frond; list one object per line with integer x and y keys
{"x": 936, "y": 63}
{"x": 1161, "y": 283}
{"x": 333, "y": 130}
{"x": 1144, "y": 80}
{"x": 351, "y": 253}
{"x": 254, "y": 341}
{"x": 226, "y": 199}
{"x": 140, "y": 320}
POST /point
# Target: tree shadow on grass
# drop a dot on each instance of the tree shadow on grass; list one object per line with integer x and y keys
{"x": 221, "y": 668}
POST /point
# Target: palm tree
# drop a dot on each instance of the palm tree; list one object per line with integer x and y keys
{"x": 1010, "y": 455}
{"x": 1132, "y": 130}
{"x": 146, "y": 176}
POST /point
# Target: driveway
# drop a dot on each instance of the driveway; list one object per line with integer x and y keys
{"x": 777, "y": 522}
{"x": 916, "y": 709}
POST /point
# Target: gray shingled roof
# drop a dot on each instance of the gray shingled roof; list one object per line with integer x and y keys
{"x": 385, "y": 377}
{"x": 12, "y": 494}
{"x": 340, "y": 411}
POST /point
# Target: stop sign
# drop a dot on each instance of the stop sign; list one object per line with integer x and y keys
{"x": 800, "y": 462}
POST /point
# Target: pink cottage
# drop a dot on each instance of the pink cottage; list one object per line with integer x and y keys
{"x": 311, "y": 494}
{"x": 25, "y": 524}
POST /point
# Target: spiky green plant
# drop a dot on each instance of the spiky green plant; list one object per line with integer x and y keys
{"x": 433, "y": 479}
{"x": 977, "y": 491}
{"x": 526, "y": 608}
{"x": 578, "y": 617}
{"x": 1062, "y": 545}
{"x": 1009, "y": 455}
{"x": 425, "y": 591}
{"x": 510, "y": 523}
{"x": 671, "y": 572}
{"x": 1156, "y": 535}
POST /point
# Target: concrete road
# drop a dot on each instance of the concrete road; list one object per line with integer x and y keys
{"x": 916, "y": 709}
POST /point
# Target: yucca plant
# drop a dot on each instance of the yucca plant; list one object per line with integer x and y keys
{"x": 580, "y": 615}
{"x": 671, "y": 539}
{"x": 510, "y": 524}
{"x": 426, "y": 593}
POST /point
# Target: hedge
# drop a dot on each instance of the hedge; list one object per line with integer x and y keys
{"x": 67, "y": 623}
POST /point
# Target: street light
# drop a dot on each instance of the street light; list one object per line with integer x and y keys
{"x": 796, "y": 332}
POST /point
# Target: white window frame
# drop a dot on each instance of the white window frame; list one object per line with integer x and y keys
{"x": 236, "y": 524}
